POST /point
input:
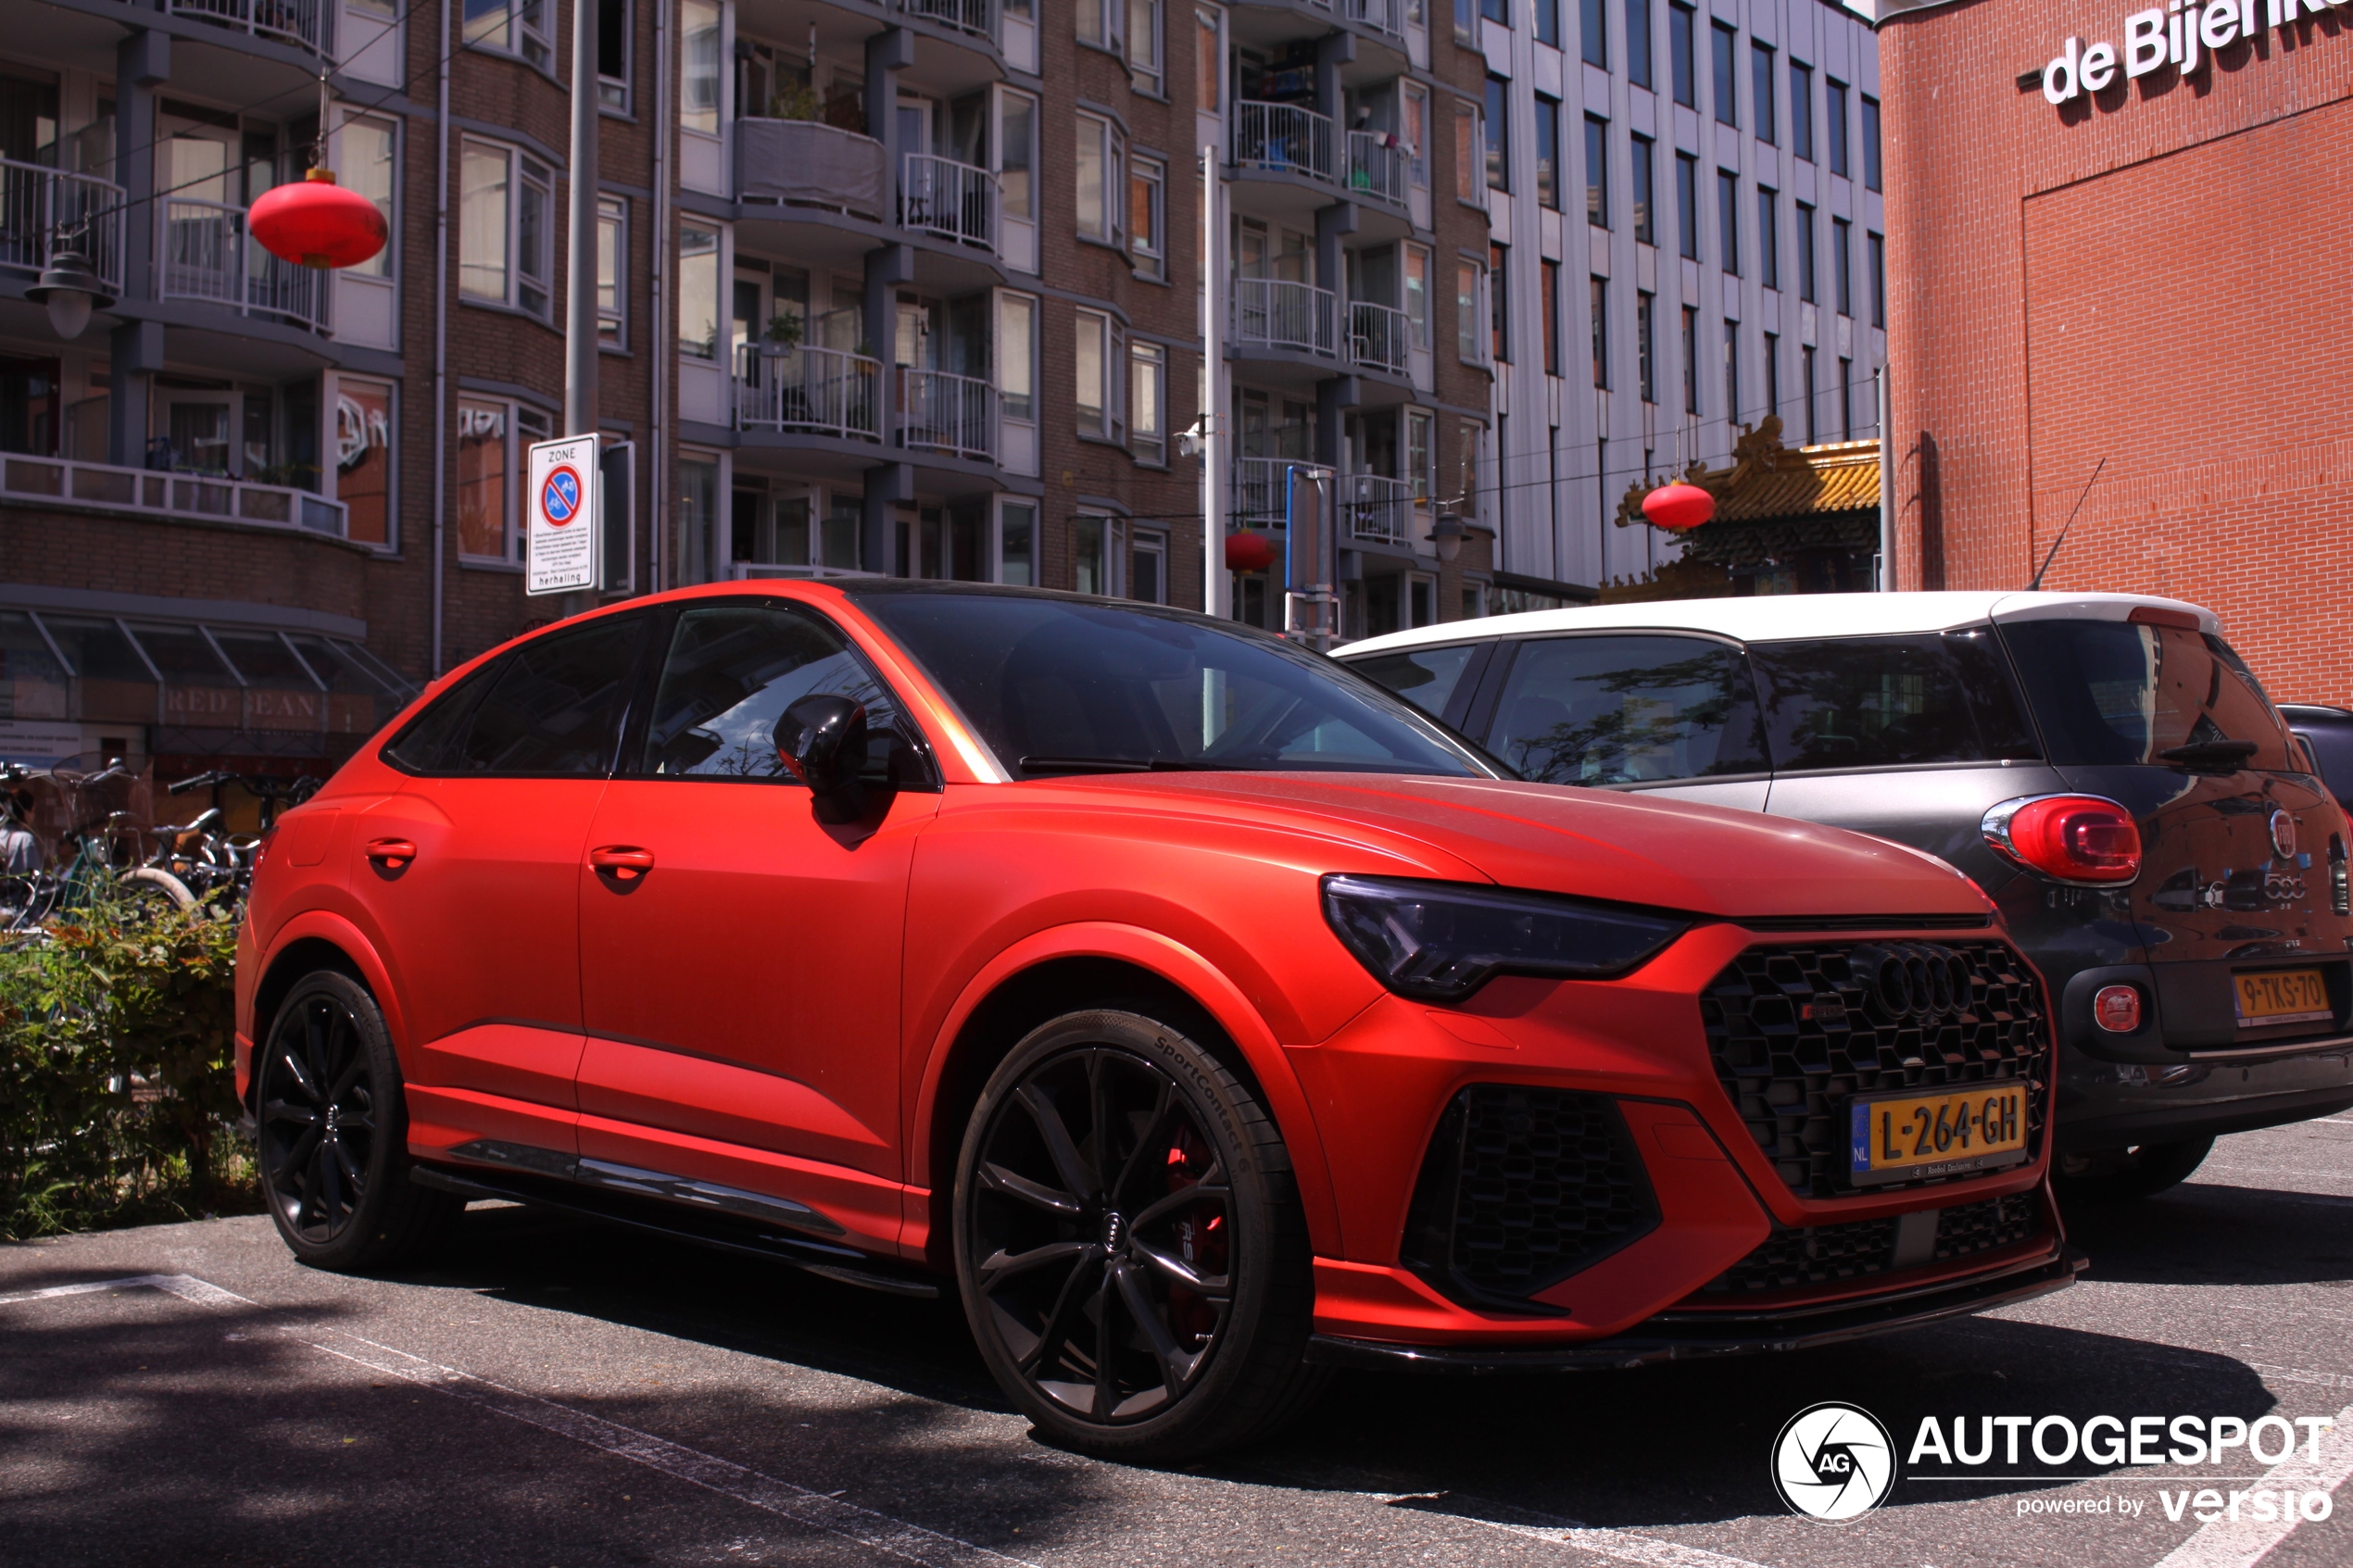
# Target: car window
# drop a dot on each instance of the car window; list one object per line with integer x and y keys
{"x": 1880, "y": 702}
{"x": 730, "y": 673}
{"x": 2117, "y": 692}
{"x": 1057, "y": 686}
{"x": 549, "y": 709}
{"x": 1628, "y": 709}
{"x": 1425, "y": 677}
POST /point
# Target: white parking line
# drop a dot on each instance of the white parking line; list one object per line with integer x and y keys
{"x": 912, "y": 1543}
{"x": 2243, "y": 1542}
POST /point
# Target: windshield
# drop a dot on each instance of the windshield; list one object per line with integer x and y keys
{"x": 1060, "y": 686}
{"x": 2114, "y": 692}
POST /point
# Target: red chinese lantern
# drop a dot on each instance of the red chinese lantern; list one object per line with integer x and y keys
{"x": 1678, "y": 506}
{"x": 318, "y": 223}
{"x": 1248, "y": 551}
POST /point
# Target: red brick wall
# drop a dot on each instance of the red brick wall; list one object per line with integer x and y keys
{"x": 2144, "y": 276}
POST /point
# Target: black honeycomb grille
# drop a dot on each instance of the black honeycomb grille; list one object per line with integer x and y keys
{"x": 1522, "y": 1187}
{"x": 1794, "y": 1031}
{"x": 1818, "y": 1255}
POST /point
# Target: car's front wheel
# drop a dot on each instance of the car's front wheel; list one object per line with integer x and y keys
{"x": 334, "y": 1134}
{"x": 1129, "y": 1242}
{"x": 2142, "y": 1171}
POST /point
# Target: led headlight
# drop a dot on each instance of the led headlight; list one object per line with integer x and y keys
{"x": 1443, "y": 940}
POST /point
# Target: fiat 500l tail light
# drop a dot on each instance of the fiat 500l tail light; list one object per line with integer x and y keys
{"x": 2081, "y": 838}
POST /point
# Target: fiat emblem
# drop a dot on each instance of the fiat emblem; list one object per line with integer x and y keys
{"x": 2283, "y": 836}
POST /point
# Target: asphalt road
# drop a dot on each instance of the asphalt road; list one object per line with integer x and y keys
{"x": 555, "y": 1395}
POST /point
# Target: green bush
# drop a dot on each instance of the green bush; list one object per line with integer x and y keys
{"x": 118, "y": 1092}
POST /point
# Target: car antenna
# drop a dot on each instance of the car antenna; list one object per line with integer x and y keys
{"x": 2069, "y": 523}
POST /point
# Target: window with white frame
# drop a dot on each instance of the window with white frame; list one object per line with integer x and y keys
{"x": 1470, "y": 324}
{"x": 612, "y": 55}
{"x": 613, "y": 265}
{"x": 1096, "y": 359}
{"x": 506, "y": 207}
{"x": 1017, "y": 543}
{"x": 699, "y": 322}
{"x": 1147, "y": 403}
{"x": 513, "y": 27}
{"x": 1097, "y": 162}
{"x": 493, "y": 435}
{"x": 1417, "y": 135}
{"x": 1016, "y": 356}
{"x": 363, "y": 466}
{"x": 699, "y": 75}
{"x": 1418, "y": 452}
{"x": 1017, "y": 152}
{"x": 1144, "y": 66}
{"x": 1148, "y": 215}
{"x": 1418, "y": 270}
{"x": 1147, "y": 566}
{"x": 1094, "y": 554}
{"x": 371, "y": 167}
{"x": 1104, "y": 23}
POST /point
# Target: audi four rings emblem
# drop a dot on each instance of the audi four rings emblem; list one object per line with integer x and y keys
{"x": 1912, "y": 982}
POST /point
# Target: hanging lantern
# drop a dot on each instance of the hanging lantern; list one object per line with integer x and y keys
{"x": 318, "y": 223}
{"x": 1677, "y": 507}
{"x": 1248, "y": 551}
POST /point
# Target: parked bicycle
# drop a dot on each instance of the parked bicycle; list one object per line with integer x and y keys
{"x": 99, "y": 858}
{"x": 213, "y": 862}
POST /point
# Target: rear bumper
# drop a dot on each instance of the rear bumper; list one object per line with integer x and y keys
{"x": 1695, "y": 1336}
{"x": 2109, "y": 1104}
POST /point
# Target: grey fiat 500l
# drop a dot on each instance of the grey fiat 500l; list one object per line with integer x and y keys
{"x": 2102, "y": 765}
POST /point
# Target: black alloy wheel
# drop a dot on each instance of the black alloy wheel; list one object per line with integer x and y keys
{"x": 327, "y": 1100}
{"x": 1129, "y": 1242}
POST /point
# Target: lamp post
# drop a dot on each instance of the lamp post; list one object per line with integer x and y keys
{"x": 72, "y": 289}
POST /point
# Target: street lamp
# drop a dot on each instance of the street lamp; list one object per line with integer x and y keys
{"x": 72, "y": 289}
{"x": 1446, "y": 534}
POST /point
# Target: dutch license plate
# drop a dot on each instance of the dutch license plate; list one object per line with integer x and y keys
{"x": 1907, "y": 1137}
{"x": 2282, "y": 995}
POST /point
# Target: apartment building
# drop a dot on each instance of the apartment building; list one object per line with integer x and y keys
{"x": 1687, "y": 236}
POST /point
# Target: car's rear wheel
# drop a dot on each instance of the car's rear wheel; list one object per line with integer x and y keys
{"x": 1129, "y": 1242}
{"x": 334, "y": 1134}
{"x": 2140, "y": 1171}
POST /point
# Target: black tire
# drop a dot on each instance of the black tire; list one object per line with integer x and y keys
{"x": 334, "y": 1134}
{"x": 2118, "y": 1175}
{"x": 1098, "y": 1301}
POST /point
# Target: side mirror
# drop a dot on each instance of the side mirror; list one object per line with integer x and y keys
{"x": 822, "y": 741}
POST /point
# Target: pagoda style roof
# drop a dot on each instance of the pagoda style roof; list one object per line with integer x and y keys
{"x": 1767, "y": 482}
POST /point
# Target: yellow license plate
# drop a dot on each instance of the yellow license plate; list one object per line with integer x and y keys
{"x": 2282, "y": 996}
{"x": 1909, "y": 1137}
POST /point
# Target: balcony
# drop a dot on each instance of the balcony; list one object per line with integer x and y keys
{"x": 43, "y": 211}
{"x": 955, "y": 416}
{"x": 805, "y": 163}
{"x": 302, "y": 23}
{"x": 807, "y": 392}
{"x": 1375, "y": 509}
{"x": 1282, "y": 139}
{"x": 1379, "y": 337}
{"x": 979, "y": 19}
{"x": 208, "y": 255}
{"x": 193, "y": 497}
{"x": 1386, "y": 16}
{"x": 949, "y": 201}
{"x": 1261, "y": 485}
{"x": 1274, "y": 313}
{"x": 1377, "y": 166}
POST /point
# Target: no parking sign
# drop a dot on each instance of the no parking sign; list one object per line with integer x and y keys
{"x": 564, "y": 544}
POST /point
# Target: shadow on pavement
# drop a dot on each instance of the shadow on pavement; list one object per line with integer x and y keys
{"x": 2204, "y": 1233}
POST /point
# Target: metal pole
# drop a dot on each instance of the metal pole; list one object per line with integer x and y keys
{"x": 1216, "y": 581}
{"x": 441, "y": 342}
{"x": 580, "y": 316}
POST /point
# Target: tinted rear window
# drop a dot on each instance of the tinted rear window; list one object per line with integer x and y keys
{"x": 1425, "y": 677}
{"x": 552, "y": 708}
{"x": 1882, "y": 702}
{"x": 1631, "y": 709}
{"x": 2108, "y": 691}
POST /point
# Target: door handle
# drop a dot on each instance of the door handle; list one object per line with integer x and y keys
{"x": 623, "y": 862}
{"x": 392, "y": 854}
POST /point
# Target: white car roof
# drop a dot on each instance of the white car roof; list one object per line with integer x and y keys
{"x": 1772, "y": 616}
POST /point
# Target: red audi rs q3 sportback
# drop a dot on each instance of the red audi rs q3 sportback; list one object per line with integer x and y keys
{"x": 1205, "y": 1014}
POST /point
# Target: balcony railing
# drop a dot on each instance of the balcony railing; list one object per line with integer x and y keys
{"x": 46, "y": 210}
{"x": 1376, "y": 508}
{"x": 807, "y": 392}
{"x": 1379, "y": 337}
{"x": 955, "y": 415}
{"x": 299, "y": 22}
{"x": 805, "y": 163}
{"x": 1284, "y": 138}
{"x": 953, "y": 200}
{"x": 1272, "y": 313}
{"x": 982, "y": 19}
{"x": 108, "y": 487}
{"x": 1380, "y": 15}
{"x": 1376, "y": 164}
{"x": 208, "y": 255}
{"x": 1261, "y": 486}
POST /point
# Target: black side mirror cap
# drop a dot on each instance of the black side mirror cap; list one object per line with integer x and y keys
{"x": 822, "y": 741}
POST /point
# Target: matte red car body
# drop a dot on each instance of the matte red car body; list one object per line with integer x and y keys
{"x": 775, "y": 1005}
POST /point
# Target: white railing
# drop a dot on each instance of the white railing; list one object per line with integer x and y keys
{"x": 1380, "y": 15}
{"x": 1377, "y": 166}
{"x": 1378, "y": 508}
{"x": 953, "y": 200}
{"x": 1284, "y": 138}
{"x": 807, "y": 392}
{"x": 1272, "y": 313}
{"x": 1379, "y": 337}
{"x": 109, "y": 487}
{"x": 44, "y": 210}
{"x": 1261, "y": 487}
{"x": 299, "y": 22}
{"x": 979, "y": 18}
{"x": 208, "y": 255}
{"x": 939, "y": 412}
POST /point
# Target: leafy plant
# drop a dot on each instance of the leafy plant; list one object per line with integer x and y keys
{"x": 796, "y": 100}
{"x": 785, "y": 330}
{"x": 116, "y": 1085}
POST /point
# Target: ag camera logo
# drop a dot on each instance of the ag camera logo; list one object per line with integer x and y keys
{"x": 1833, "y": 1462}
